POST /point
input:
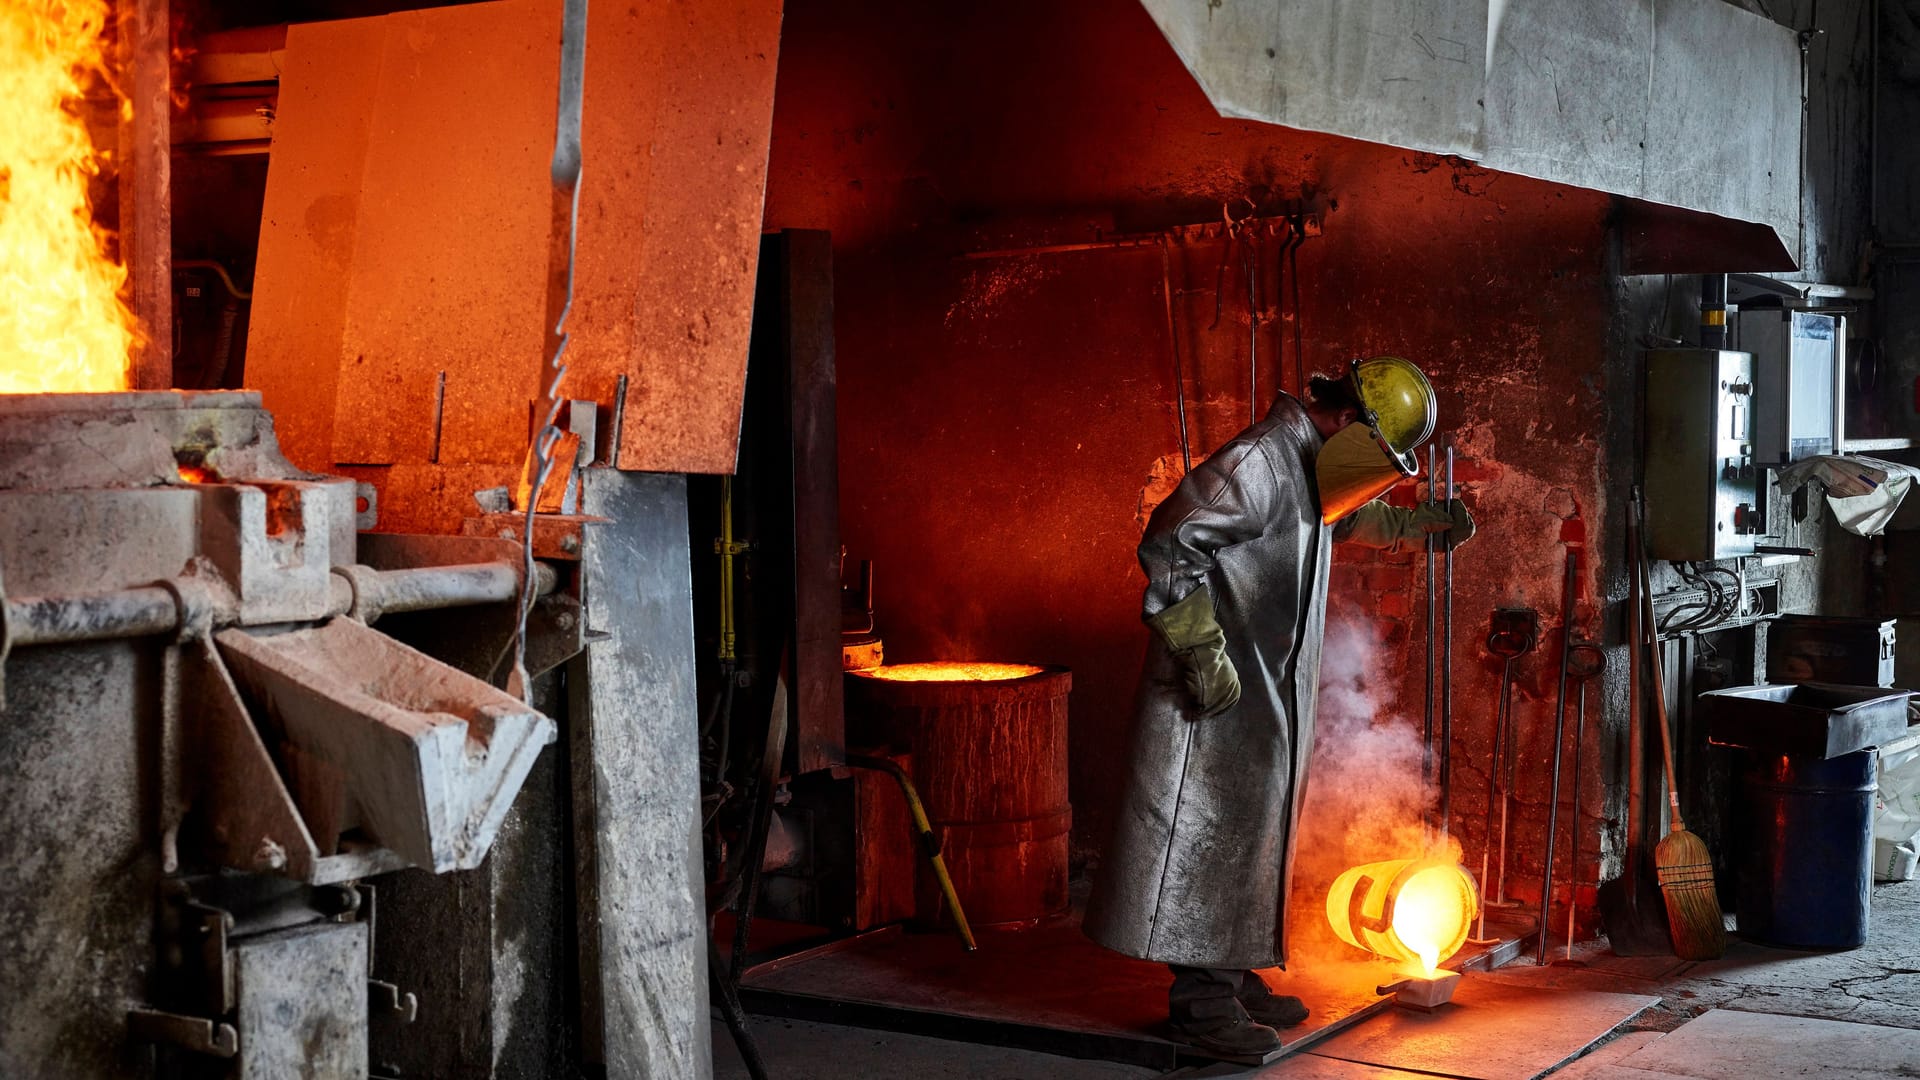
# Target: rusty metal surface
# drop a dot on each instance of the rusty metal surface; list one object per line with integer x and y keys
{"x": 307, "y": 230}
{"x": 144, "y": 175}
{"x": 555, "y": 536}
{"x": 303, "y": 1003}
{"x": 378, "y": 737}
{"x": 445, "y": 276}
{"x": 670, "y": 235}
{"x": 397, "y": 323}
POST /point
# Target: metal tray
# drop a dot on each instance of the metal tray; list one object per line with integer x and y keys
{"x": 1821, "y": 720}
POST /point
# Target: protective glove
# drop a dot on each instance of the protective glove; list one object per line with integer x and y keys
{"x": 1451, "y": 519}
{"x": 1380, "y": 525}
{"x": 1200, "y": 647}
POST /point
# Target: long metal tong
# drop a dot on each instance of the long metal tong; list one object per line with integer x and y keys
{"x": 1437, "y": 766}
{"x": 1567, "y": 616}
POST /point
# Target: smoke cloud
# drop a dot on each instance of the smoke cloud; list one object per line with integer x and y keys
{"x": 1364, "y": 799}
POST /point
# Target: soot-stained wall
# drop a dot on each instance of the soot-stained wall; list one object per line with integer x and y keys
{"x": 1006, "y": 423}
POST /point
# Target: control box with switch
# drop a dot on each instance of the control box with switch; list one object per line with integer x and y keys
{"x": 1702, "y": 486}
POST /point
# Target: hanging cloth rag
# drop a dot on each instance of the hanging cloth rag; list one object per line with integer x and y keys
{"x": 1864, "y": 492}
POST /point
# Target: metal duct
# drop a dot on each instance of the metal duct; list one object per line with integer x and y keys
{"x": 1685, "y": 103}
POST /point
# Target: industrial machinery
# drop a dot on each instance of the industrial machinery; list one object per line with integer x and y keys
{"x": 206, "y": 748}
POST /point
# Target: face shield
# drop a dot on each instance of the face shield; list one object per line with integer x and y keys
{"x": 1355, "y": 467}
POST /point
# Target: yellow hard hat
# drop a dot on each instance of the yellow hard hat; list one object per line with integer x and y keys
{"x": 1396, "y": 400}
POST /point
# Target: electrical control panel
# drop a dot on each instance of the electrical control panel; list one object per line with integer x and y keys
{"x": 1702, "y": 487}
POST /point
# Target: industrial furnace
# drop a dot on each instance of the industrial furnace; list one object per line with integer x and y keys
{"x": 208, "y": 749}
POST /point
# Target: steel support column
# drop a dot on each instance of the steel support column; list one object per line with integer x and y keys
{"x": 636, "y": 791}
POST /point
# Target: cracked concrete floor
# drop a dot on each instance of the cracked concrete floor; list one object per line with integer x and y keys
{"x": 1877, "y": 984}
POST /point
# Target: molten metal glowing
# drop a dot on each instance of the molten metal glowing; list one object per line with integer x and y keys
{"x": 63, "y": 326}
{"x": 1406, "y": 910}
{"x": 953, "y": 671}
{"x": 1428, "y": 912}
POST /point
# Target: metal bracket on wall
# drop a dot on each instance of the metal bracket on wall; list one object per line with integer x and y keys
{"x": 384, "y": 999}
{"x": 200, "y": 1035}
{"x": 195, "y": 936}
{"x": 366, "y": 509}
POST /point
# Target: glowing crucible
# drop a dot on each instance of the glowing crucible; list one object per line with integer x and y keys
{"x": 1405, "y": 909}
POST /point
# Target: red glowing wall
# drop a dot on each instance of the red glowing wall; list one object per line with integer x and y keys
{"x": 1006, "y": 423}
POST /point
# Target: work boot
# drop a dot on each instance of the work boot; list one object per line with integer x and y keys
{"x": 1275, "y": 1010}
{"x": 1235, "y": 1038}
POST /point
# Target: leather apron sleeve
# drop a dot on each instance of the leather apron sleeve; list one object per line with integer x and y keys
{"x": 1227, "y": 499}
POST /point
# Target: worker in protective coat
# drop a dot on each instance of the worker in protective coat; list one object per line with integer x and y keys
{"x": 1236, "y": 562}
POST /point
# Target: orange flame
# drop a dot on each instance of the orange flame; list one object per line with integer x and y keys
{"x": 63, "y": 325}
{"x": 952, "y": 671}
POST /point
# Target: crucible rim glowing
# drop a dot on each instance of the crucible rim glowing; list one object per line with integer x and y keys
{"x": 952, "y": 671}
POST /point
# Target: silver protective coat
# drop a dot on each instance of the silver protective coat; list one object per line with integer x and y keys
{"x": 1198, "y": 867}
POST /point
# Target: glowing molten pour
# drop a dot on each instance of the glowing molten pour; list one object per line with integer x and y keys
{"x": 952, "y": 671}
{"x": 63, "y": 326}
{"x": 1410, "y": 909}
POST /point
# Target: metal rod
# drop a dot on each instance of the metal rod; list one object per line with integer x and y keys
{"x": 1253, "y": 332}
{"x": 1506, "y": 781}
{"x": 1559, "y": 737}
{"x": 733, "y": 1012}
{"x": 562, "y": 242}
{"x": 1426, "y": 724}
{"x": 1573, "y": 857}
{"x": 1307, "y": 224}
{"x": 1280, "y": 318}
{"x": 1220, "y": 277}
{"x": 1494, "y": 763}
{"x": 1061, "y": 249}
{"x": 1446, "y": 664}
{"x": 1636, "y": 732}
{"x": 1173, "y": 342}
{"x": 1293, "y": 275}
{"x": 772, "y": 758}
{"x": 103, "y": 616}
{"x": 146, "y": 610}
{"x": 427, "y": 588}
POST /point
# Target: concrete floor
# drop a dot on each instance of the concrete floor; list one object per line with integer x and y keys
{"x": 1851, "y": 999}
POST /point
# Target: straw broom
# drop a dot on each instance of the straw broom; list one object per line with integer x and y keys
{"x": 1680, "y": 859}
